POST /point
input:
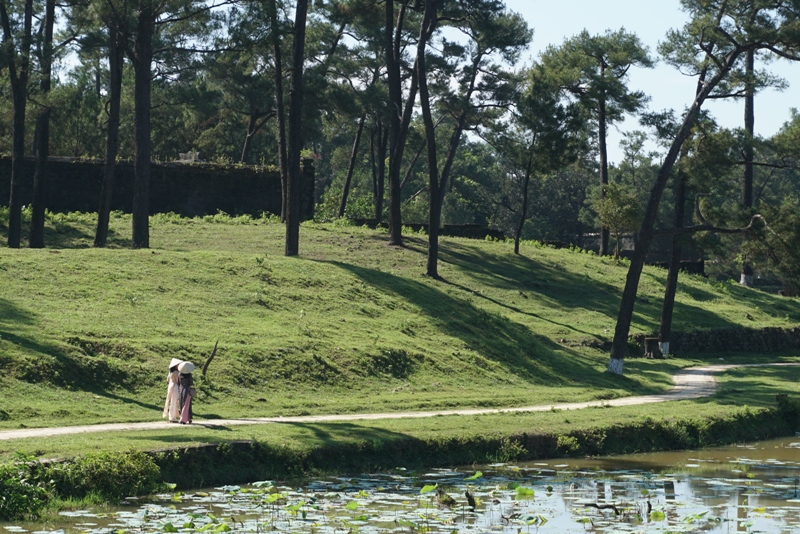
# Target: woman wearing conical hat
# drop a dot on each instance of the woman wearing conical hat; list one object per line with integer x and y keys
{"x": 186, "y": 391}
{"x": 172, "y": 406}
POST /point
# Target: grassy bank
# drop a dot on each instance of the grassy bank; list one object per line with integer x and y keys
{"x": 351, "y": 325}
{"x": 198, "y": 457}
{"x": 740, "y": 390}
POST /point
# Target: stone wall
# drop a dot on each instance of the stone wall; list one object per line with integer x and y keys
{"x": 188, "y": 189}
{"x": 472, "y": 231}
{"x": 732, "y": 340}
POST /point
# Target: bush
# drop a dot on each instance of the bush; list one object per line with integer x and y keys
{"x": 790, "y": 409}
{"x": 21, "y": 494}
{"x": 109, "y": 475}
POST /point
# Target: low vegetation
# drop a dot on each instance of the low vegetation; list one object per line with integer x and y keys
{"x": 219, "y": 455}
{"x": 352, "y": 325}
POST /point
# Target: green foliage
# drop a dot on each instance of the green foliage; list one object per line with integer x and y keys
{"x": 568, "y": 445}
{"x": 619, "y": 210}
{"x": 508, "y": 450}
{"x": 110, "y": 475}
{"x": 22, "y": 494}
{"x": 595, "y": 67}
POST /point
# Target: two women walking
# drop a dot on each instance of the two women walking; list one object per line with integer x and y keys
{"x": 180, "y": 391}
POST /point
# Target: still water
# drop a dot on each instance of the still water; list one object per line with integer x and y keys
{"x": 752, "y": 488}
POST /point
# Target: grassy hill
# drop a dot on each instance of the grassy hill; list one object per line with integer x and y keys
{"x": 350, "y": 325}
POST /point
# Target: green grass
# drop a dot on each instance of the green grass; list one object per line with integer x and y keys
{"x": 350, "y": 326}
{"x": 740, "y": 391}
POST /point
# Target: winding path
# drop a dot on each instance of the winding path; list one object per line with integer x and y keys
{"x": 692, "y": 383}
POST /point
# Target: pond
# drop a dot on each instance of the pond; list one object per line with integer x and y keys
{"x": 752, "y": 488}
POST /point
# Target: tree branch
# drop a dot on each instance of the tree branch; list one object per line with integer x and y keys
{"x": 195, "y": 13}
{"x": 706, "y": 226}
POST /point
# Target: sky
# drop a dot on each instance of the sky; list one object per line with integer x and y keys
{"x": 554, "y": 21}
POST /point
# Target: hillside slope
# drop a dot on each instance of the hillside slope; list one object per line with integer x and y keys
{"x": 350, "y": 325}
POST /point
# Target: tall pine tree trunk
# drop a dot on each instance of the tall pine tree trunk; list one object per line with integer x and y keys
{"x": 619, "y": 348}
{"x": 18, "y": 64}
{"x": 380, "y": 179}
{"x": 602, "y": 141}
{"x": 746, "y": 278}
{"x": 395, "y": 113}
{"x": 665, "y": 327}
{"x": 295, "y": 137}
{"x": 143, "y": 58}
{"x": 36, "y": 238}
{"x": 116, "y": 57}
{"x": 248, "y": 138}
{"x": 434, "y": 206}
{"x": 524, "y": 211}
{"x": 280, "y": 114}
{"x": 351, "y": 166}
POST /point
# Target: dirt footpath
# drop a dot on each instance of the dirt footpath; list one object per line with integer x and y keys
{"x": 692, "y": 383}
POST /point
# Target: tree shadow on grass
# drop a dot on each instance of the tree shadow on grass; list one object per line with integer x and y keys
{"x": 330, "y": 433}
{"x": 558, "y": 288}
{"x": 38, "y": 362}
{"x": 323, "y": 433}
{"x": 59, "y": 234}
{"x": 551, "y": 283}
{"x": 534, "y": 358}
{"x": 755, "y": 386}
{"x": 127, "y": 400}
{"x": 11, "y": 314}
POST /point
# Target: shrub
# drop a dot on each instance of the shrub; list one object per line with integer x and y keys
{"x": 509, "y": 449}
{"x": 21, "y": 494}
{"x": 110, "y": 475}
{"x": 568, "y": 445}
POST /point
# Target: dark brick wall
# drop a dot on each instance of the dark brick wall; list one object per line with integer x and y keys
{"x": 758, "y": 341}
{"x": 472, "y": 231}
{"x": 187, "y": 189}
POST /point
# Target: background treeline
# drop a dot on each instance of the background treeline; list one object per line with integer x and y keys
{"x": 415, "y": 111}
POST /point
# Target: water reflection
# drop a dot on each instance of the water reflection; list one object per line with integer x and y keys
{"x": 741, "y": 489}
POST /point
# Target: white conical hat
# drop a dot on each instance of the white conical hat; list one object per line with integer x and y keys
{"x": 175, "y": 362}
{"x": 185, "y": 368}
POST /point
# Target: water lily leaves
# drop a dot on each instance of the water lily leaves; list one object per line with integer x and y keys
{"x": 352, "y": 505}
{"x": 273, "y": 497}
{"x": 428, "y": 489}
{"x": 294, "y": 508}
{"x": 523, "y": 492}
{"x": 401, "y": 502}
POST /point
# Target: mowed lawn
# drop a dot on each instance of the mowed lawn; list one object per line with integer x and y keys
{"x": 351, "y": 325}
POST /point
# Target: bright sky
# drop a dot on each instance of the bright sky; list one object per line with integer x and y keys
{"x": 554, "y": 21}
